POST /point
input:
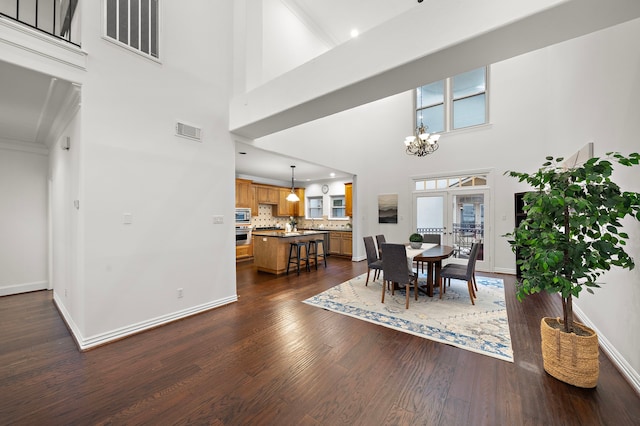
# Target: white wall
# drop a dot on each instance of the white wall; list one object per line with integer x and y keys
{"x": 280, "y": 27}
{"x": 336, "y": 188}
{"x": 132, "y": 163}
{"x": 23, "y": 219}
{"x": 597, "y": 99}
{"x": 548, "y": 102}
{"x": 66, "y": 230}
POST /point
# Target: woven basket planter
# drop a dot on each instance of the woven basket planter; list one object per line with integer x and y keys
{"x": 569, "y": 357}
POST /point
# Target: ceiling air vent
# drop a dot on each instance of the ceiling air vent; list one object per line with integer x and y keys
{"x": 188, "y": 131}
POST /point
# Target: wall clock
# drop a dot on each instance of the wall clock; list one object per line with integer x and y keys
{"x": 325, "y": 188}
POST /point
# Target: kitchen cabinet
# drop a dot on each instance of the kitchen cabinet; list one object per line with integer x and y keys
{"x": 348, "y": 199}
{"x": 288, "y": 208}
{"x": 340, "y": 243}
{"x": 244, "y": 252}
{"x": 244, "y": 193}
{"x": 267, "y": 194}
{"x": 271, "y": 250}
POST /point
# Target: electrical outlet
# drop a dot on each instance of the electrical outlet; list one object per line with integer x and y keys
{"x": 180, "y": 293}
{"x": 218, "y": 219}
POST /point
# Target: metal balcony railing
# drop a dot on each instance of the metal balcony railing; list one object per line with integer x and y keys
{"x": 53, "y": 17}
{"x": 462, "y": 236}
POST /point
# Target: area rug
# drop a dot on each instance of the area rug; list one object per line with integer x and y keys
{"x": 481, "y": 328}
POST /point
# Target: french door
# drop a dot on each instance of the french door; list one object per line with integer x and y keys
{"x": 460, "y": 217}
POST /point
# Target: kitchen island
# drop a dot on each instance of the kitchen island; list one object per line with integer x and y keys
{"x": 271, "y": 248}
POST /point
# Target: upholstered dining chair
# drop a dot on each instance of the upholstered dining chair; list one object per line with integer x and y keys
{"x": 431, "y": 238}
{"x": 473, "y": 257}
{"x": 373, "y": 262}
{"x": 462, "y": 272}
{"x": 380, "y": 239}
{"x": 395, "y": 269}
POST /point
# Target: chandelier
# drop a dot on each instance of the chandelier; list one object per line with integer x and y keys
{"x": 421, "y": 143}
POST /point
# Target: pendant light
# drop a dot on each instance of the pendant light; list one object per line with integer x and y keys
{"x": 292, "y": 195}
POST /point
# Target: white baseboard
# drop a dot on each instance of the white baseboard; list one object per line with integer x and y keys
{"x": 618, "y": 360}
{"x": 23, "y": 288}
{"x": 85, "y": 343}
{"x": 508, "y": 271}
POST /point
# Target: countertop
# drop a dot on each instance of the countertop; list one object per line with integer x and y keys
{"x": 280, "y": 234}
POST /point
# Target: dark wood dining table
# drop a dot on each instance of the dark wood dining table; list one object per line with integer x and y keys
{"x": 433, "y": 257}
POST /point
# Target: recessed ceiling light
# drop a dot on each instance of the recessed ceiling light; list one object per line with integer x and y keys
{"x": 354, "y": 33}
{"x": 332, "y": 174}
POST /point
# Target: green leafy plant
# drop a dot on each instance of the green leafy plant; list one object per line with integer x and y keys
{"x": 572, "y": 231}
{"x": 415, "y": 238}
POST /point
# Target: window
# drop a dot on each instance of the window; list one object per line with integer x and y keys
{"x": 453, "y": 103}
{"x": 315, "y": 207}
{"x": 450, "y": 182}
{"x": 338, "y": 207}
{"x": 133, "y": 23}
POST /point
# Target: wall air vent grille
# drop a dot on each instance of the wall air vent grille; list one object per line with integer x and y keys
{"x": 188, "y": 131}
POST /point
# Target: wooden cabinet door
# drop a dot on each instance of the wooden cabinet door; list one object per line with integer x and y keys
{"x": 244, "y": 193}
{"x": 298, "y": 208}
{"x": 267, "y": 194}
{"x": 283, "y": 204}
{"x": 347, "y": 250}
{"x": 335, "y": 243}
{"x": 288, "y": 208}
{"x": 348, "y": 199}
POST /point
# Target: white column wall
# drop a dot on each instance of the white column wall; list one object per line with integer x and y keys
{"x": 548, "y": 102}
{"x": 23, "y": 219}
{"x": 66, "y": 224}
{"x": 132, "y": 163}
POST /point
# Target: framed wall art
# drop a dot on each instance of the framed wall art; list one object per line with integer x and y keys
{"x": 388, "y": 208}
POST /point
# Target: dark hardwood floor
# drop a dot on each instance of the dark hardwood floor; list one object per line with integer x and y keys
{"x": 270, "y": 359}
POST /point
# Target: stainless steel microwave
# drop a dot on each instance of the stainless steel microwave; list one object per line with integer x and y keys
{"x": 243, "y": 215}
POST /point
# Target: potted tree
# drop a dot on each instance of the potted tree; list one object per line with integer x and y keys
{"x": 571, "y": 234}
{"x": 415, "y": 240}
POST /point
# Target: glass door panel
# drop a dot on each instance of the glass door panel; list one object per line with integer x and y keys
{"x": 468, "y": 223}
{"x": 430, "y": 214}
{"x": 459, "y": 217}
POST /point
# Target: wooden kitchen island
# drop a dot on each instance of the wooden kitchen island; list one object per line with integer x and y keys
{"x": 271, "y": 248}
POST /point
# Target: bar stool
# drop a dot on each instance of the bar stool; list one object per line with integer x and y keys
{"x": 295, "y": 255}
{"x": 314, "y": 246}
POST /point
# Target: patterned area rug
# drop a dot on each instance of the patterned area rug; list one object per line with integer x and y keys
{"x": 453, "y": 320}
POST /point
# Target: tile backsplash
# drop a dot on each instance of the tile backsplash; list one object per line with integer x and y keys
{"x": 265, "y": 218}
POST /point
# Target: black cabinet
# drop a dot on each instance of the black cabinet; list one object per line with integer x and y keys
{"x": 520, "y": 216}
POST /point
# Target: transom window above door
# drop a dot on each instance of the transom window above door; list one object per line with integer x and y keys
{"x": 450, "y": 182}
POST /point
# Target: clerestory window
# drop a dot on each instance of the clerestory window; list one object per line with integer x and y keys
{"x": 134, "y": 24}
{"x": 454, "y": 103}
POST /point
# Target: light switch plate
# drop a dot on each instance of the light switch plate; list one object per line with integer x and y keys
{"x": 218, "y": 219}
{"x": 127, "y": 218}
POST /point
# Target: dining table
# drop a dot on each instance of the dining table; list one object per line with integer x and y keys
{"x": 432, "y": 255}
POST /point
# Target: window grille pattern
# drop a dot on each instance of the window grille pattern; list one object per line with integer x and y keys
{"x": 133, "y": 23}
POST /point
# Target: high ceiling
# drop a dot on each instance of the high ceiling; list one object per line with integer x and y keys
{"x": 332, "y": 21}
{"x": 30, "y": 101}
